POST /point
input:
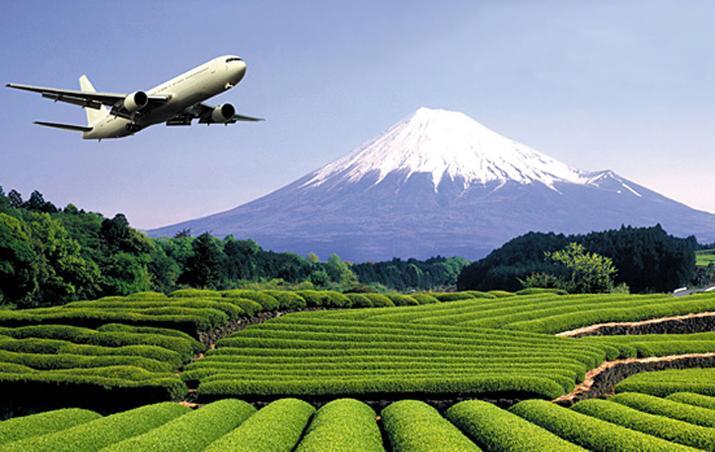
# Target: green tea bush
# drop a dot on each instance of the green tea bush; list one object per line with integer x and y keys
{"x": 402, "y": 300}
{"x": 452, "y": 296}
{"x": 324, "y": 299}
{"x": 249, "y": 307}
{"x": 342, "y": 425}
{"x": 540, "y": 290}
{"x": 195, "y": 293}
{"x": 501, "y": 293}
{"x": 668, "y": 408}
{"x": 40, "y": 424}
{"x": 287, "y": 300}
{"x": 379, "y": 300}
{"x": 693, "y": 399}
{"x": 423, "y": 298}
{"x": 665, "y": 382}
{"x": 496, "y": 429}
{"x": 190, "y": 432}
{"x": 589, "y": 432}
{"x": 68, "y": 361}
{"x": 659, "y": 426}
{"x": 96, "y": 434}
{"x": 358, "y": 300}
{"x": 268, "y": 302}
{"x": 415, "y": 426}
{"x": 277, "y": 426}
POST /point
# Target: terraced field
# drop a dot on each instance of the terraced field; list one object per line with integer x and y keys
{"x": 231, "y": 350}
{"x": 486, "y": 347}
{"x": 629, "y": 421}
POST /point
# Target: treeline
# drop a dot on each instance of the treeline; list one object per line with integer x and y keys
{"x": 437, "y": 273}
{"x": 51, "y": 255}
{"x": 646, "y": 259}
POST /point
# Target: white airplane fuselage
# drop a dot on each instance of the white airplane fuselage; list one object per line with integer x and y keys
{"x": 189, "y": 88}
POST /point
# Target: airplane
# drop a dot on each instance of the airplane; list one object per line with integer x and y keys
{"x": 176, "y": 102}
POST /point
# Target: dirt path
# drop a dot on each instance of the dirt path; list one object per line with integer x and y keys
{"x": 665, "y": 322}
{"x": 602, "y": 379}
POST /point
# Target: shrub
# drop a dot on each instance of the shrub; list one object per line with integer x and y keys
{"x": 192, "y": 431}
{"x": 40, "y": 424}
{"x": 540, "y": 290}
{"x": 358, "y": 300}
{"x": 402, "y": 300}
{"x": 501, "y": 293}
{"x": 668, "y": 408}
{"x": 277, "y": 426}
{"x": 423, "y": 298}
{"x": 126, "y": 385}
{"x": 497, "y": 429}
{"x": 324, "y": 299}
{"x": 250, "y": 307}
{"x": 194, "y": 293}
{"x": 378, "y": 300}
{"x": 268, "y": 302}
{"x": 94, "y": 435}
{"x": 665, "y": 382}
{"x": 452, "y": 296}
{"x": 287, "y": 300}
{"x": 586, "y": 431}
{"x": 342, "y": 425}
{"x": 662, "y": 427}
{"x": 693, "y": 399}
{"x": 415, "y": 426}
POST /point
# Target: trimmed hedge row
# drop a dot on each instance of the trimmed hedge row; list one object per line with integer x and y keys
{"x": 524, "y": 385}
{"x": 415, "y": 426}
{"x": 107, "y": 338}
{"x": 668, "y": 408}
{"x": 275, "y": 427}
{"x": 96, "y": 434}
{"x": 586, "y": 431}
{"x": 191, "y": 432}
{"x": 497, "y": 429}
{"x": 665, "y": 382}
{"x": 658, "y": 426}
{"x": 693, "y": 399}
{"x": 43, "y": 423}
{"x": 341, "y": 425}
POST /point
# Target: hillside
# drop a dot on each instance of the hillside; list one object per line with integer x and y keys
{"x": 440, "y": 183}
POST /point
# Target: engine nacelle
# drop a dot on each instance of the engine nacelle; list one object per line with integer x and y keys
{"x": 136, "y": 101}
{"x": 223, "y": 113}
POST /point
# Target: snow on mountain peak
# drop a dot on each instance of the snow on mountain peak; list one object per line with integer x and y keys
{"x": 447, "y": 144}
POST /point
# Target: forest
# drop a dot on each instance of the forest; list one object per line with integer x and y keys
{"x": 646, "y": 259}
{"x": 51, "y": 255}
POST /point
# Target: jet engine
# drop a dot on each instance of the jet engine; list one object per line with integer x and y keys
{"x": 136, "y": 101}
{"x": 223, "y": 113}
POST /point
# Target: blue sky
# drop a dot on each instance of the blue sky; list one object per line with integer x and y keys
{"x": 623, "y": 85}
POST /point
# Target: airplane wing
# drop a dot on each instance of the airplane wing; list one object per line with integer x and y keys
{"x": 89, "y": 99}
{"x": 202, "y": 112}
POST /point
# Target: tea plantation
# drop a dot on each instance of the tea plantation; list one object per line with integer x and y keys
{"x": 326, "y": 371}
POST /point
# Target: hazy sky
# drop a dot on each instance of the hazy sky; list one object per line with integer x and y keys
{"x": 623, "y": 85}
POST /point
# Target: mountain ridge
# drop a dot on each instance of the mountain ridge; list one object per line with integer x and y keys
{"x": 438, "y": 182}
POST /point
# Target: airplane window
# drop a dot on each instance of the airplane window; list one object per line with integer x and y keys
{"x": 233, "y": 59}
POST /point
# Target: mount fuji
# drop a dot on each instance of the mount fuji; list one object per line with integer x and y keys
{"x": 438, "y": 182}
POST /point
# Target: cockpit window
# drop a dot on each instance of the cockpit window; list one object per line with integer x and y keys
{"x": 233, "y": 59}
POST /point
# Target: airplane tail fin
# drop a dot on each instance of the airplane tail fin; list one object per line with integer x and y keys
{"x": 93, "y": 114}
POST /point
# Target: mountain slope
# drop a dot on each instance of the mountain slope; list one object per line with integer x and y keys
{"x": 439, "y": 182}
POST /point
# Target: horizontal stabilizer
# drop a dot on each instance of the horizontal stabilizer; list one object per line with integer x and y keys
{"x": 57, "y": 125}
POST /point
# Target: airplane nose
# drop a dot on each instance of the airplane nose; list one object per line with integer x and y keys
{"x": 239, "y": 70}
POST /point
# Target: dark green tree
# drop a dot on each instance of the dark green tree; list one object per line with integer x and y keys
{"x": 204, "y": 267}
{"x": 18, "y": 261}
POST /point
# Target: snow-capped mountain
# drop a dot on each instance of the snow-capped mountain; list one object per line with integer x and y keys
{"x": 438, "y": 182}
